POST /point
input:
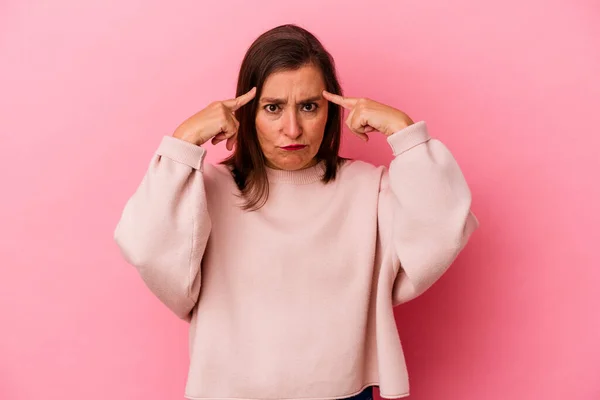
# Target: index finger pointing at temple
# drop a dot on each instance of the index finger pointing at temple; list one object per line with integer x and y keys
{"x": 240, "y": 101}
{"x": 346, "y": 102}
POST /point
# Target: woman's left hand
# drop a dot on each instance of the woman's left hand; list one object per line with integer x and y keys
{"x": 368, "y": 115}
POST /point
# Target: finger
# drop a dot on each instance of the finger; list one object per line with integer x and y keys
{"x": 346, "y": 102}
{"x": 361, "y": 123}
{"x": 218, "y": 138}
{"x": 361, "y": 136}
{"x": 355, "y": 127}
{"x": 233, "y": 138}
{"x": 230, "y": 142}
{"x": 229, "y": 129}
{"x": 230, "y": 138}
{"x": 238, "y": 102}
{"x": 234, "y": 124}
{"x": 368, "y": 129}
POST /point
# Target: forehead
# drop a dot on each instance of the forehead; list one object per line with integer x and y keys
{"x": 307, "y": 80}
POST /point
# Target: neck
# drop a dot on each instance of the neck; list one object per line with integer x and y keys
{"x": 308, "y": 174}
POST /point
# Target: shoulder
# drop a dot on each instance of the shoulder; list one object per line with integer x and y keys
{"x": 358, "y": 169}
{"x": 218, "y": 178}
{"x": 216, "y": 172}
{"x": 363, "y": 175}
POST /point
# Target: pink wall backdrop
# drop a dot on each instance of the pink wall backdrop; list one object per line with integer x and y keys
{"x": 512, "y": 87}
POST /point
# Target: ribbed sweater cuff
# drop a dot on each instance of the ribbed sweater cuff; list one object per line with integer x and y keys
{"x": 181, "y": 151}
{"x": 409, "y": 137}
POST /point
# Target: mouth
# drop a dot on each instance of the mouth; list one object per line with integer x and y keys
{"x": 294, "y": 147}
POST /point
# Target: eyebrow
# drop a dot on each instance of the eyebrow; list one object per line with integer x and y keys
{"x": 274, "y": 100}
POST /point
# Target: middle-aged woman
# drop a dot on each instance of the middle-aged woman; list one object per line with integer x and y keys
{"x": 286, "y": 258}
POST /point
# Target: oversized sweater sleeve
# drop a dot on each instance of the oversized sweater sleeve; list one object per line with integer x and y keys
{"x": 164, "y": 226}
{"x": 424, "y": 211}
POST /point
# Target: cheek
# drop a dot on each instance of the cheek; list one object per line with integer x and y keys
{"x": 264, "y": 129}
{"x": 321, "y": 119}
{"x": 316, "y": 126}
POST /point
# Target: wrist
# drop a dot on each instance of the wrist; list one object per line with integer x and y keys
{"x": 185, "y": 136}
{"x": 398, "y": 125}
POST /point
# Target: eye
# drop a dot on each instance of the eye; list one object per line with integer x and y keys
{"x": 271, "y": 108}
{"x": 312, "y": 107}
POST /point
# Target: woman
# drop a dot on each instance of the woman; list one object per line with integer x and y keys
{"x": 287, "y": 259}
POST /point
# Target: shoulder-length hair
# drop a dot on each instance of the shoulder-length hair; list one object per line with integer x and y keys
{"x": 286, "y": 47}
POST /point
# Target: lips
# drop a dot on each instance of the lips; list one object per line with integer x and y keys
{"x": 294, "y": 147}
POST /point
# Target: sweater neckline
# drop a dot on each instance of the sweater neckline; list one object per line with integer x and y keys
{"x": 298, "y": 177}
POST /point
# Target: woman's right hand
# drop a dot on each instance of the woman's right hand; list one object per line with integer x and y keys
{"x": 217, "y": 122}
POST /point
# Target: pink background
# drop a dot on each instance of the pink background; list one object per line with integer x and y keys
{"x": 512, "y": 87}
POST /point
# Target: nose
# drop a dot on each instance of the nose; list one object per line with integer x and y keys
{"x": 291, "y": 125}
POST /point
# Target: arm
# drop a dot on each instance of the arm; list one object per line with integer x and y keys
{"x": 164, "y": 227}
{"x": 424, "y": 211}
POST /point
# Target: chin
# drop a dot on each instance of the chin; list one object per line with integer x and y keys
{"x": 293, "y": 165}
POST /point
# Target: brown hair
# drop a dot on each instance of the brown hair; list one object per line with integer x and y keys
{"x": 286, "y": 47}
